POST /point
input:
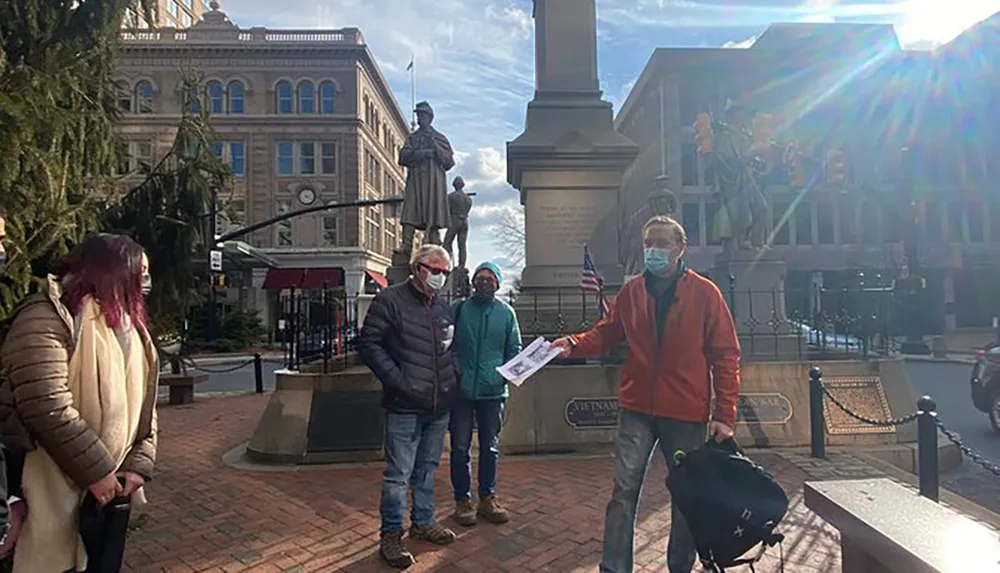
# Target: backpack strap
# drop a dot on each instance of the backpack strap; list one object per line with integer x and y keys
{"x": 771, "y": 541}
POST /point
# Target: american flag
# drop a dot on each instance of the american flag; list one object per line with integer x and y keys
{"x": 590, "y": 280}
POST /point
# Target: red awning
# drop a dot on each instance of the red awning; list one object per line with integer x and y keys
{"x": 378, "y": 278}
{"x": 323, "y": 278}
{"x": 282, "y": 279}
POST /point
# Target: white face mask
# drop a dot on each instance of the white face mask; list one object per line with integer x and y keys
{"x": 436, "y": 282}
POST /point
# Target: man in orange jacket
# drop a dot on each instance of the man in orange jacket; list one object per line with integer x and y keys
{"x": 682, "y": 349}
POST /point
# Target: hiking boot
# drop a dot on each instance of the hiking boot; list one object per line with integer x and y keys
{"x": 465, "y": 512}
{"x": 391, "y": 549}
{"x": 434, "y": 533}
{"x": 491, "y": 510}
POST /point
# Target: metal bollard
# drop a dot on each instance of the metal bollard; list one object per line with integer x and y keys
{"x": 817, "y": 422}
{"x": 258, "y": 373}
{"x": 927, "y": 448}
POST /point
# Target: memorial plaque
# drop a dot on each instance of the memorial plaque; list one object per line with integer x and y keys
{"x": 559, "y": 223}
{"x": 766, "y": 408}
{"x": 865, "y": 396}
{"x": 592, "y": 413}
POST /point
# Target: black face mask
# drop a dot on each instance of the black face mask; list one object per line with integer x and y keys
{"x": 485, "y": 289}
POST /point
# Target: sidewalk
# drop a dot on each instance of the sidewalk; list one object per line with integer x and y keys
{"x": 206, "y": 516}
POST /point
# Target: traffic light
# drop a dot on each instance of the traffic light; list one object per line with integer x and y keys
{"x": 836, "y": 171}
{"x": 219, "y": 280}
{"x": 703, "y": 134}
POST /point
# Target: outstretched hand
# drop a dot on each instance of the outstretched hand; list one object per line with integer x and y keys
{"x": 565, "y": 344}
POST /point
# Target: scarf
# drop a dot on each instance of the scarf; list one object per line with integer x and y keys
{"x": 107, "y": 378}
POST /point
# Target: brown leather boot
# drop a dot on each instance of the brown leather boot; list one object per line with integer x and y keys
{"x": 491, "y": 510}
{"x": 465, "y": 512}
{"x": 392, "y": 549}
{"x": 434, "y": 533}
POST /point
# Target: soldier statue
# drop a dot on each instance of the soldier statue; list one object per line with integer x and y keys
{"x": 427, "y": 155}
{"x": 742, "y": 221}
{"x": 661, "y": 201}
{"x": 459, "y": 206}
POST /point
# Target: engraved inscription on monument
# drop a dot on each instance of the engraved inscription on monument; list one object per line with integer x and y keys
{"x": 592, "y": 413}
{"x": 765, "y": 408}
{"x": 864, "y": 395}
{"x": 559, "y": 223}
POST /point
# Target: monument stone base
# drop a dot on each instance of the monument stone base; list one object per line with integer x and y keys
{"x": 317, "y": 418}
{"x": 754, "y": 286}
{"x": 563, "y": 409}
{"x": 400, "y": 269}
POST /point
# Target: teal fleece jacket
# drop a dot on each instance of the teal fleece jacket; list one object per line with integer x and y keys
{"x": 486, "y": 336}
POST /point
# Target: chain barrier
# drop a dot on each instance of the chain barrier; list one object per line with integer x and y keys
{"x": 889, "y": 422}
{"x": 968, "y": 452}
{"x": 190, "y": 363}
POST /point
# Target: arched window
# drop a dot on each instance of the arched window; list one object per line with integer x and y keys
{"x": 307, "y": 97}
{"x": 235, "y": 93}
{"x": 144, "y": 97}
{"x": 216, "y": 97}
{"x": 124, "y": 96}
{"x": 284, "y": 100}
{"x": 327, "y": 98}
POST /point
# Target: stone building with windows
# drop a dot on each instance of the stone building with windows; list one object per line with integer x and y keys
{"x": 853, "y": 89}
{"x": 301, "y": 117}
{"x": 170, "y": 14}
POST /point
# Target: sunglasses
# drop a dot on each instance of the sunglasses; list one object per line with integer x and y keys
{"x": 434, "y": 270}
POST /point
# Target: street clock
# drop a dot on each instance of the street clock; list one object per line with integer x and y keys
{"x": 307, "y": 196}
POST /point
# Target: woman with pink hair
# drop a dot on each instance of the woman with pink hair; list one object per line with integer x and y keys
{"x": 78, "y": 398}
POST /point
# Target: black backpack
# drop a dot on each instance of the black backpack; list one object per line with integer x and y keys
{"x": 731, "y": 504}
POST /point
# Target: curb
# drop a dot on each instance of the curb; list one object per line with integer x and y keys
{"x": 934, "y": 360}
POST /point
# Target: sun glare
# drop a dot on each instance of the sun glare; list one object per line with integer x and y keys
{"x": 939, "y": 21}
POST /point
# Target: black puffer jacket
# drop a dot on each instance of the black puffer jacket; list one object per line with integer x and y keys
{"x": 407, "y": 342}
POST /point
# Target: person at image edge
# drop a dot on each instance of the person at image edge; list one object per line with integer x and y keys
{"x": 682, "y": 349}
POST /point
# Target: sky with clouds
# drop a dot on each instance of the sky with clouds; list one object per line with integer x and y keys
{"x": 474, "y": 58}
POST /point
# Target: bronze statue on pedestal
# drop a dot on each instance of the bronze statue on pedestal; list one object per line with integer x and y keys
{"x": 661, "y": 201}
{"x": 741, "y": 221}
{"x": 427, "y": 155}
{"x": 459, "y": 206}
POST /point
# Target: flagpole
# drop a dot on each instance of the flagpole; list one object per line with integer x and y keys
{"x": 413, "y": 93}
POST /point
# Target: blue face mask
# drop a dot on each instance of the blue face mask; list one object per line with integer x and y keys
{"x": 657, "y": 260}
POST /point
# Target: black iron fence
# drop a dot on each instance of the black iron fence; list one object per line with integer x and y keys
{"x": 816, "y": 322}
{"x": 928, "y": 424}
{"x": 318, "y": 327}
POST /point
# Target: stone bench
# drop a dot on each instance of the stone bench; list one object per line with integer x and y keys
{"x": 182, "y": 386}
{"x": 888, "y": 528}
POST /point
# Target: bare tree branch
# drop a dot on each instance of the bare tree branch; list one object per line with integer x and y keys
{"x": 508, "y": 233}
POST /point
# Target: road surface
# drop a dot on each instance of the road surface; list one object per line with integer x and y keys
{"x": 948, "y": 384}
{"x": 222, "y": 377}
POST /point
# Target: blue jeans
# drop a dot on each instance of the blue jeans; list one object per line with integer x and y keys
{"x": 488, "y": 417}
{"x": 413, "y": 447}
{"x": 637, "y": 437}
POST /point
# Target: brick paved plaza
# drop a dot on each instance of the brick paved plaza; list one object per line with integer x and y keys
{"x": 206, "y": 516}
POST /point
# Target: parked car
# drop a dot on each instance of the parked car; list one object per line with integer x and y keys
{"x": 985, "y": 383}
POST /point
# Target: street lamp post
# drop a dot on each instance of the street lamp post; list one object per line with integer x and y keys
{"x": 213, "y": 232}
{"x": 911, "y": 283}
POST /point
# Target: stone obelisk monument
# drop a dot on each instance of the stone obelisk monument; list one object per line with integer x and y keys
{"x": 567, "y": 165}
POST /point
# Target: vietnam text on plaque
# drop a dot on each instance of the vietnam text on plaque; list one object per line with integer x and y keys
{"x": 592, "y": 413}
{"x": 764, "y": 408}
{"x": 865, "y": 396}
